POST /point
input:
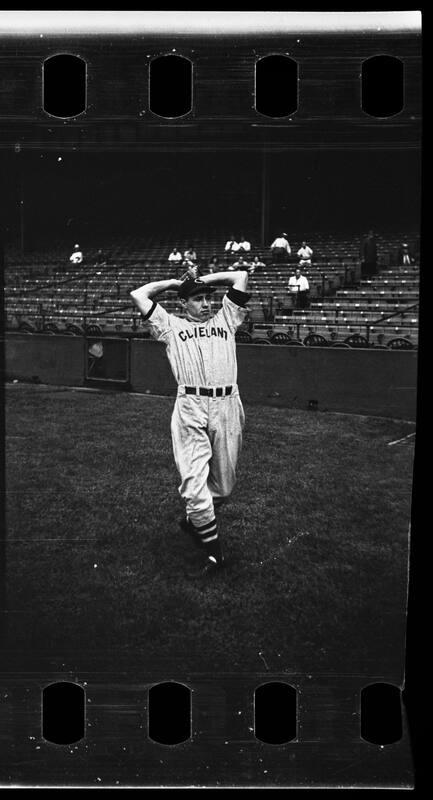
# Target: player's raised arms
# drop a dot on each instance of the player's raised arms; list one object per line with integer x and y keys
{"x": 239, "y": 280}
{"x": 142, "y": 296}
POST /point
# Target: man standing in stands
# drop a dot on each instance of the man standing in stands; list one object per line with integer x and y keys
{"x": 280, "y": 249}
{"x": 77, "y": 255}
{"x": 369, "y": 255}
{"x": 405, "y": 258}
{"x": 100, "y": 261}
{"x": 305, "y": 252}
{"x": 300, "y": 289}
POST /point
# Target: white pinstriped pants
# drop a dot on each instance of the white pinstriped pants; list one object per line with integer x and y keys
{"x": 207, "y": 439}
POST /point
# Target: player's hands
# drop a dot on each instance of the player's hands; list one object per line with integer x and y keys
{"x": 191, "y": 272}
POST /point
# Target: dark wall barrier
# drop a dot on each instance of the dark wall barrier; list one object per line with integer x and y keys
{"x": 377, "y": 382}
{"x": 356, "y": 381}
{"x": 150, "y": 370}
{"x": 380, "y": 382}
{"x": 48, "y": 359}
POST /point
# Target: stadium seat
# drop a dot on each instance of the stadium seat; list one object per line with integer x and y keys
{"x": 93, "y": 330}
{"x": 340, "y": 344}
{"x": 260, "y": 340}
{"x": 26, "y": 327}
{"x": 356, "y": 340}
{"x": 294, "y": 343}
{"x": 51, "y": 328}
{"x": 281, "y": 338}
{"x": 244, "y": 337}
{"x": 315, "y": 340}
{"x": 74, "y": 330}
{"x": 399, "y": 343}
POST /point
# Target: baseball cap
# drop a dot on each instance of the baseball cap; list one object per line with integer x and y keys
{"x": 194, "y": 286}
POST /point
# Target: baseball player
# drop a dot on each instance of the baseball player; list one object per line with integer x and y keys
{"x": 208, "y": 416}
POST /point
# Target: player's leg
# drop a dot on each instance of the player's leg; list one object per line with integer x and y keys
{"x": 192, "y": 452}
{"x": 226, "y": 422}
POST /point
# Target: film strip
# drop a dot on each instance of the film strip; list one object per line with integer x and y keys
{"x": 285, "y": 670}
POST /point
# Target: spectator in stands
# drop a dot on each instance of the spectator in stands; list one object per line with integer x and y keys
{"x": 305, "y": 252}
{"x": 175, "y": 255}
{"x": 240, "y": 264}
{"x": 405, "y": 258}
{"x": 368, "y": 255}
{"x": 77, "y": 255}
{"x": 255, "y": 265}
{"x": 101, "y": 261}
{"x": 232, "y": 246}
{"x": 244, "y": 245}
{"x": 280, "y": 248}
{"x": 300, "y": 288}
{"x": 214, "y": 264}
{"x": 190, "y": 254}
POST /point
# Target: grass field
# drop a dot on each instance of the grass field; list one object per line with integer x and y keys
{"x": 316, "y": 536}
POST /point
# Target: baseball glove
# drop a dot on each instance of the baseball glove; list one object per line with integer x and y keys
{"x": 191, "y": 272}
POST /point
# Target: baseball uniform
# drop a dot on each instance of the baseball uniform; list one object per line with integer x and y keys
{"x": 208, "y": 416}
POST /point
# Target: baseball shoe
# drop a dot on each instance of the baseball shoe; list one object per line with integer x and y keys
{"x": 188, "y": 528}
{"x": 209, "y": 569}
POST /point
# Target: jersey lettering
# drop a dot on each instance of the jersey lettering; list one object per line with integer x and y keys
{"x": 202, "y": 332}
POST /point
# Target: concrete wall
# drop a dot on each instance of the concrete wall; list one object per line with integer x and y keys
{"x": 377, "y": 382}
{"x": 50, "y": 359}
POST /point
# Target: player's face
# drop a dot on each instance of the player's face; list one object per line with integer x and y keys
{"x": 198, "y": 307}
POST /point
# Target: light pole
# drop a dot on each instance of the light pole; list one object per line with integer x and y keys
{"x": 20, "y": 198}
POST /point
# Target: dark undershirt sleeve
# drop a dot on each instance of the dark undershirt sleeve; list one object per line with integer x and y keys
{"x": 150, "y": 312}
{"x": 238, "y": 297}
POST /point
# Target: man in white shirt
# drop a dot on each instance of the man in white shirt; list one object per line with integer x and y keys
{"x": 305, "y": 252}
{"x": 231, "y": 245}
{"x": 175, "y": 255}
{"x": 280, "y": 248}
{"x": 77, "y": 256}
{"x": 299, "y": 288}
{"x": 190, "y": 254}
{"x": 244, "y": 245}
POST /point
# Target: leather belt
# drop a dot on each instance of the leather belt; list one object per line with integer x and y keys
{"x": 209, "y": 391}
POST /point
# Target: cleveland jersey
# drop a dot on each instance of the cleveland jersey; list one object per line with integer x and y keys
{"x": 201, "y": 354}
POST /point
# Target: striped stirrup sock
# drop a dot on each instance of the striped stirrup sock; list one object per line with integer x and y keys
{"x": 210, "y": 541}
{"x": 207, "y": 532}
